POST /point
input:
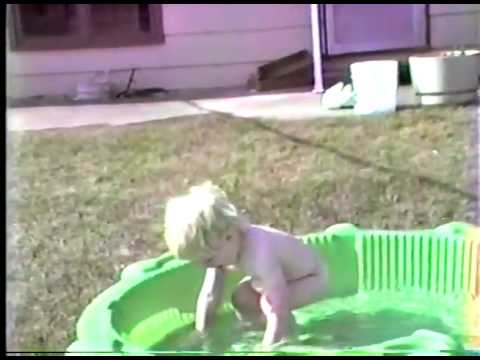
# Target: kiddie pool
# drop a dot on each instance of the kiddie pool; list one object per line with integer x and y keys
{"x": 390, "y": 292}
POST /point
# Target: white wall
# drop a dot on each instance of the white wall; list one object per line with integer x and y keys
{"x": 454, "y": 24}
{"x": 207, "y": 45}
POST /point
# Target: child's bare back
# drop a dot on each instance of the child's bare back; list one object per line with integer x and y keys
{"x": 267, "y": 248}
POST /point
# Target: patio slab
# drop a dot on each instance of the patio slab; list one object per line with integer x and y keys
{"x": 289, "y": 106}
{"x": 299, "y": 104}
{"x": 50, "y": 117}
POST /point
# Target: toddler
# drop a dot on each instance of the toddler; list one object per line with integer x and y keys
{"x": 283, "y": 274}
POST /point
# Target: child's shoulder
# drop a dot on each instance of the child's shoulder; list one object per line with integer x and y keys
{"x": 267, "y": 230}
{"x": 269, "y": 233}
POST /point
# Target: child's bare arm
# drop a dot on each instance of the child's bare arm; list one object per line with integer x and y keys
{"x": 275, "y": 305}
{"x": 209, "y": 298}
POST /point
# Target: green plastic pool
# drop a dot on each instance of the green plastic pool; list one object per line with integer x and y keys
{"x": 390, "y": 292}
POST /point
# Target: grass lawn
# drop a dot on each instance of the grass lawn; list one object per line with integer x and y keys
{"x": 81, "y": 201}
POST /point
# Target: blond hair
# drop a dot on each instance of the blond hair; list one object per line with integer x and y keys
{"x": 196, "y": 223}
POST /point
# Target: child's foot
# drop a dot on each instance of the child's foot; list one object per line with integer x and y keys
{"x": 250, "y": 322}
{"x": 194, "y": 340}
{"x": 251, "y": 325}
{"x": 292, "y": 326}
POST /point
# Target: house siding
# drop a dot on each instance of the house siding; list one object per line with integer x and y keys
{"x": 207, "y": 45}
{"x": 454, "y": 24}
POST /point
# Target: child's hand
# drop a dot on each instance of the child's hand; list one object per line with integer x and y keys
{"x": 200, "y": 326}
{"x": 195, "y": 340}
{"x": 270, "y": 348}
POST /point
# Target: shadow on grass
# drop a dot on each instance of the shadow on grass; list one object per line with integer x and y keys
{"x": 423, "y": 179}
{"x": 359, "y": 161}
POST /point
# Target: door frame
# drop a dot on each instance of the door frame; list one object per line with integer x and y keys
{"x": 421, "y": 34}
{"x": 317, "y": 46}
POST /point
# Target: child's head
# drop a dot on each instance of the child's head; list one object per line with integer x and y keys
{"x": 200, "y": 223}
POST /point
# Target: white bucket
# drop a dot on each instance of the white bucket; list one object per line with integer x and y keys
{"x": 375, "y": 84}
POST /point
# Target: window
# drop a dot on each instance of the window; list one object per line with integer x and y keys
{"x": 70, "y": 26}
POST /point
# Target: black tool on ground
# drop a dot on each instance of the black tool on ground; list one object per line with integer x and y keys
{"x": 127, "y": 93}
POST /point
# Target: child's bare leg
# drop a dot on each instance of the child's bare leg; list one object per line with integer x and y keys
{"x": 303, "y": 291}
{"x": 246, "y": 302}
{"x": 306, "y": 290}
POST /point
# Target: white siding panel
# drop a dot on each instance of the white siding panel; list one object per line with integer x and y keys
{"x": 197, "y": 77}
{"x": 439, "y": 9}
{"x": 25, "y": 86}
{"x": 189, "y": 50}
{"x": 453, "y": 30}
{"x": 478, "y": 28}
{"x": 172, "y": 78}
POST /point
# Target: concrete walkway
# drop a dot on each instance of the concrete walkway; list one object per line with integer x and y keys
{"x": 48, "y": 117}
{"x": 284, "y": 106}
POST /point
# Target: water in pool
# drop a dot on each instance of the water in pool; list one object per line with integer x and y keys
{"x": 373, "y": 324}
